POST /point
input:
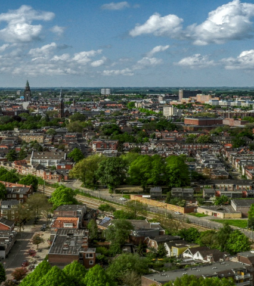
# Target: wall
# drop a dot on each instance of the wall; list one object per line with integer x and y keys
{"x": 218, "y": 213}
{"x": 58, "y": 259}
{"x": 162, "y": 205}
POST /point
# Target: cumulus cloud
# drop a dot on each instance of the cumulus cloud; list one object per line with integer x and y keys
{"x": 19, "y": 24}
{"x": 244, "y": 61}
{"x": 43, "y": 52}
{"x": 169, "y": 25}
{"x": 4, "y": 47}
{"x": 85, "y": 57}
{"x": 57, "y": 30}
{"x": 99, "y": 63}
{"x": 115, "y": 6}
{"x": 231, "y": 21}
{"x": 147, "y": 62}
{"x": 196, "y": 61}
{"x": 157, "y": 49}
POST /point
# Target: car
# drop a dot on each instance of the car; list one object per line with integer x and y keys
{"x": 122, "y": 199}
{"x": 178, "y": 213}
{"x": 43, "y": 228}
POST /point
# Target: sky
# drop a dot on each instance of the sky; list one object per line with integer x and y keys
{"x": 135, "y": 43}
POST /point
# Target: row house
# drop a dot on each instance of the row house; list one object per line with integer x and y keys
{"x": 101, "y": 145}
{"x": 47, "y": 158}
{"x": 227, "y": 185}
{"x": 17, "y": 191}
{"x": 28, "y": 137}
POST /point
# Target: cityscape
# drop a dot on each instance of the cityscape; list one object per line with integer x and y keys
{"x": 127, "y": 143}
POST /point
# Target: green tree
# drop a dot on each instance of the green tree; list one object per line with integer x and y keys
{"x": 9, "y": 176}
{"x": 130, "y": 105}
{"x": 76, "y": 155}
{"x": 204, "y": 139}
{"x": 55, "y": 277}
{"x": 51, "y": 131}
{"x": 21, "y": 215}
{"x": 136, "y": 208}
{"x": 22, "y": 154}
{"x": 121, "y": 214}
{"x": 93, "y": 229}
{"x": 158, "y": 172}
{"x": 38, "y": 203}
{"x": 106, "y": 208}
{"x": 37, "y": 239}
{"x": 191, "y": 234}
{"x": 251, "y": 216}
{"x": 177, "y": 172}
{"x": 12, "y": 155}
{"x": 111, "y": 129}
{"x": 161, "y": 252}
{"x": 75, "y": 126}
{"x": 78, "y": 117}
{"x": 125, "y": 263}
{"x": 30, "y": 180}
{"x": 238, "y": 142}
{"x": 3, "y": 191}
{"x": 112, "y": 172}
{"x": 131, "y": 278}
{"x": 208, "y": 238}
{"x": 222, "y": 200}
{"x": 41, "y": 270}
{"x": 237, "y": 242}
{"x": 97, "y": 276}
{"x": 85, "y": 170}
{"x": 117, "y": 233}
{"x": 223, "y": 236}
{"x": 63, "y": 196}
{"x": 76, "y": 272}
{"x": 2, "y": 273}
{"x": 19, "y": 273}
{"x": 191, "y": 138}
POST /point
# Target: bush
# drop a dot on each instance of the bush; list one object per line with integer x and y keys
{"x": 120, "y": 214}
{"x": 19, "y": 273}
{"x": 106, "y": 208}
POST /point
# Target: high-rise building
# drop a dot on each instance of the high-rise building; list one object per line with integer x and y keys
{"x": 61, "y": 105}
{"x": 27, "y": 92}
{"x": 185, "y": 93}
{"x": 170, "y": 111}
{"x": 105, "y": 91}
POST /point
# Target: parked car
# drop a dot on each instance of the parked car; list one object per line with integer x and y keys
{"x": 25, "y": 263}
{"x": 178, "y": 213}
{"x": 122, "y": 199}
{"x": 43, "y": 228}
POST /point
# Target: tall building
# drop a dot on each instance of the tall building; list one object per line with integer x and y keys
{"x": 105, "y": 91}
{"x": 27, "y": 92}
{"x": 170, "y": 111}
{"x": 61, "y": 105}
{"x": 185, "y": 93}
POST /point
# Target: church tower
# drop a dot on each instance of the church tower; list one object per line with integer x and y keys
{"x": 27, "y": 92}
{"x": 61, "y": 105}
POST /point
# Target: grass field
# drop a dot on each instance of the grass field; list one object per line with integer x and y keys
{"x": 197, "y": 214}
{"x": 234, "y": 222}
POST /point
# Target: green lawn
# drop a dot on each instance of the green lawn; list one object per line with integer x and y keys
{"x": 197, "y": 214}
{"x": 234, "y": 222}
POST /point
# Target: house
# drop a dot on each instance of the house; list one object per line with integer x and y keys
{"x": 185, "y": 193}
{"x": 156, "y": 192}
{"x": 17, "y": 191}
{"x": 242, "y": 205}
{"x": 161, "y": 239}
{"x": 71, "y": 245}
{"x": 7, "y": 240}
{"x": 246, "y": 257}
{"x": 8, "y": 208}
{"x": 65, "y": 222}
{"x": 219, "y": 211}
{"x": 239, "y": 273}
{"x": 47, "y": 158}
{"x": 6, "y": 224}
{"x": 204, "y": 255}
{"x": 175, "y": 248}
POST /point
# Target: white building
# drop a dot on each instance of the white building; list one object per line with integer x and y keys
{"x": 169, "y": 111}
{"x": 105, "y": 91}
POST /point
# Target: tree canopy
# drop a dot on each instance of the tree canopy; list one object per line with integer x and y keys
{"x": 97, "y": 276}
{"x": 76, "y": 155}
{"x": 63, "y": 196}
{"x": 30, "y": 180}
{"x": 76, "y": 272}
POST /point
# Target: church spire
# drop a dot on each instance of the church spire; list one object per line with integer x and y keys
{"x": 27, "y": 84}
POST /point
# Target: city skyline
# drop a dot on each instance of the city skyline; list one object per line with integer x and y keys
{"x": 127, "y": 43}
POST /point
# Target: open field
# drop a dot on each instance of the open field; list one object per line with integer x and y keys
{"x": 234, "y": 222}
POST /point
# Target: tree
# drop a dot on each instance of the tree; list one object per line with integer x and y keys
{"x": 55, "y": 277}
{"x": 204, "y": 139}
{"x": 121, "y": 214}
{"x": 75, "y": 126}
{"x": 21, "y": 215}
{"x": 112, "y": 172}
{"x": 9, "y": 176}
{"x": 238, "y": 142}
{"x": 177, "y": 172}
{"x": 161, "y": 252}
{"x": 30, "y": 180}
{"x": 38, "y": 203}
{"x": 19, "y": 273}
{"x": 136, "y": 207}
{"x": 51, "y": 131}
{"x": 111, "y": 129}
{"x": 117, "y": 233}
{"x": 12, "y": 155}
{"x": 3, "y": 191}
{"x": 63, "y": 196}
{"x": 191, "y": 234}
{"x": 223, "y": 236}
{"x": 2, "y": 273}
{"x": 93, "y": 229}
{"x": 251, "y": 216}
{"x": 130, "y": 105}
{"x": 37, "y": 239}
{"x": 22, "y": 154}
{"x": 158, "y": 174}
{"x": 97, "y": 276}
{"x": 222, "y": 200}
{"x": 125, "y": 263}
{"x": 85, "y": 170}
{"x": 208, "y": 238}
{"x": 76, "y": 155}
{"x": 78, "y": 117}
{"x": 41, "y": 270}
{"x": 106, "y": 208}
{"x": 76, "y": 272}
{"x": 237, "y": 242}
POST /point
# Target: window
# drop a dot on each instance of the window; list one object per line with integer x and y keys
{"x": 68, "y": 224}
{"x": 90, "y": 262}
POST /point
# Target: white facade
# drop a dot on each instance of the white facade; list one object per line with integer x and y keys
{"x": 169, "y": 111}
{"x": 105, "y": 91}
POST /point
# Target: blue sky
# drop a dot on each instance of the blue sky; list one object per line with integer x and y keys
{"x": 126, "y": 43}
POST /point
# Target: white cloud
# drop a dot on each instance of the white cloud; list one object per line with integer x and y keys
{"x": 147, "y": 62}
{"x": 244, "y": 61}
{"x": 99, "y": 63}
{"x": 196, "y": 61}
{"x": 43, "y": 52}
{"x": 63, "y": 57}
{"x": 169, "y": 25}
{"x": 57, "y": 30}
{"x": 19, "y": 24}
{"x": 231, "y": 21}
{"x": 4, "y": 47}
{"x": 84, "y": 57}
{"x": 115, "y": 6}
{"x": 124, "y": 72}
{"x": 157, "y": 49}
